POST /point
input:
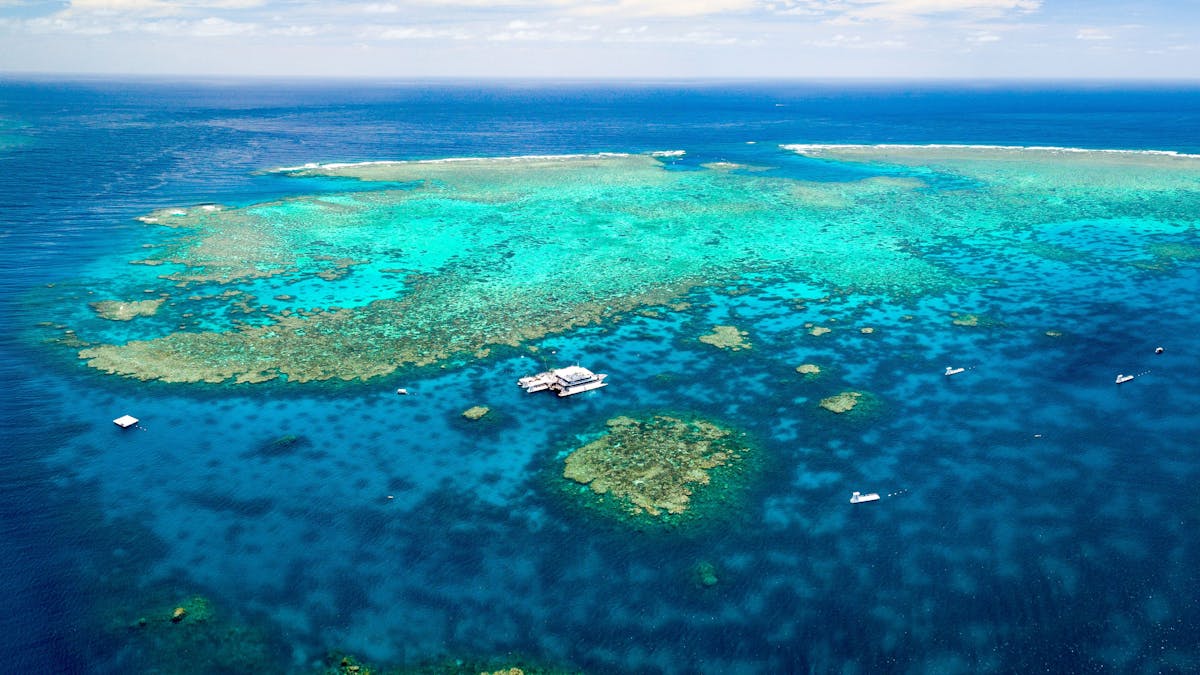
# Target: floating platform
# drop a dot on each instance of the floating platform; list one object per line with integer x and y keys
{"x": 563, "y": 381}
{"x": 859, "y": 498}
{"x": 125, "y": 421}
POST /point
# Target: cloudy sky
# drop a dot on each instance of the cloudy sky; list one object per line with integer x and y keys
{"x": 607, "y": 38}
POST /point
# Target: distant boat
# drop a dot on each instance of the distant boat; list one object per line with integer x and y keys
{"x": 564, "y": 381}
{"x": 953, "y": 371}
{"x": 859, "y": 498}
{"x": 1121, "y": 379}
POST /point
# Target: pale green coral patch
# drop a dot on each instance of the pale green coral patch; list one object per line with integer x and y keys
{"x": 119, "y": 310}
{"x": 727, "y": 337}
{"x": 653, "y": 465}
{"x": 476, "y": 412}
{"x": 966, "y": 320}
{"x": 841, "y": 403}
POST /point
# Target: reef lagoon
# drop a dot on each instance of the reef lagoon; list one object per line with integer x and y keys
{"x": 317, "y": 298}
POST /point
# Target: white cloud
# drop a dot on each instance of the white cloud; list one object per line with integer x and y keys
{"x": 1092, "y": 34}
{"x": 216, "y": 27}
{"x": 296, "y": 31}
{"x": 381, "y": 8}
{"x": 841, "y": 41}
{"x": 665, "y": 8}
{"x": 415, "y": 33}
{"x": 898, "y": 11}
{"x": 158, "y": 7}
{"x": 642, "y": 35}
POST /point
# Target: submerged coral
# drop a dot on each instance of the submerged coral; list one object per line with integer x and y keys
{"x": 472, "y": 254}
{"x": 346, "y": 664}
{"x": 280, "y": 446}
{"x": 438, "y": 319}
{"x": 192, "y": 636}
{"x": 843, "y": 402}
{"x": 704, "y": 574}
{"x": 727, "y": 337}
{"x": 652, "y": 465}
{"x": 808, "y": 369}
{"x": 476, "y": 412}
{"x": 441, "y": 261}
{"x": 118, "y": 310}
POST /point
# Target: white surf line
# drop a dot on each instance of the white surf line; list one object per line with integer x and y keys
{"x": 448, "y": 160}
{"x": 802, "y": 147}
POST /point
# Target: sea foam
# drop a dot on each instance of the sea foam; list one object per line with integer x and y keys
{"x": 804, "y": 148}
{"x": 315, "y": 166}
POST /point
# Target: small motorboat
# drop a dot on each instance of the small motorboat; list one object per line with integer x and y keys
{"x": 1121, "y": 379}
{"x": 953, "y": 371}
{"x": 858, "y": 497}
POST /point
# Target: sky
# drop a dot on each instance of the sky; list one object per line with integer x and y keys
{"x": 636, "y": 39}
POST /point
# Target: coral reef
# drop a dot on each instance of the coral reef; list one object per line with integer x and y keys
{"x": 346, "y": 664}
{"x": 118, "y": 310}
{"x": 652, "y": 465}
{"x": 281, "y": 446}
{"x": 190, "y": 636}
{"x": 704, "y": 574}
{"x": 727, "y": 337}
{"x": 843, "y": 402}
{"x": 340, "y": 663}
{"x": 484, "y": 258}
{"x": 476, "y": 412}
{"x": 808, "y": 369}
{"x": 438, "y": 323}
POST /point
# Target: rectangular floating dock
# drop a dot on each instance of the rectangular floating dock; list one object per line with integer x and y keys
{"x": 563, "y": 381}
{"x": 125, "y": 421}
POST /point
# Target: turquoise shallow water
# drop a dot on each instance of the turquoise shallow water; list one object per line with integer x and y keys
{"x": 1034, "y": 514}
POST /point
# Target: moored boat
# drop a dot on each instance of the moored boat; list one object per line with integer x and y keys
{"x": 858, "y": 497}
{"x": 564, "y": 381}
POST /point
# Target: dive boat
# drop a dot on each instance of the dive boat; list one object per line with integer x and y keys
{"x": 564, "y": 381}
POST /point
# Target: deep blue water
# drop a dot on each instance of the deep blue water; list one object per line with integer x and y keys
{"x": 1045, "y": 526}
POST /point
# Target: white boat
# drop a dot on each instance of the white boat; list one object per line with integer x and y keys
{"x": 953, "y": 371}
{"x": 1121, "y": 379}
{"x": 858, "y": 497}
{"x": 564, "y": 381}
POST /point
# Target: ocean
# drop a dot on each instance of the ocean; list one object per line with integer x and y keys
{"x": 228, "y": 262}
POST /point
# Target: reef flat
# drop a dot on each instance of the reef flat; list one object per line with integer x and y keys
{"x": 438, "y": 261}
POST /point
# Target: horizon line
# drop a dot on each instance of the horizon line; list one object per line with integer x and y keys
{"x": 589, "y": 79}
